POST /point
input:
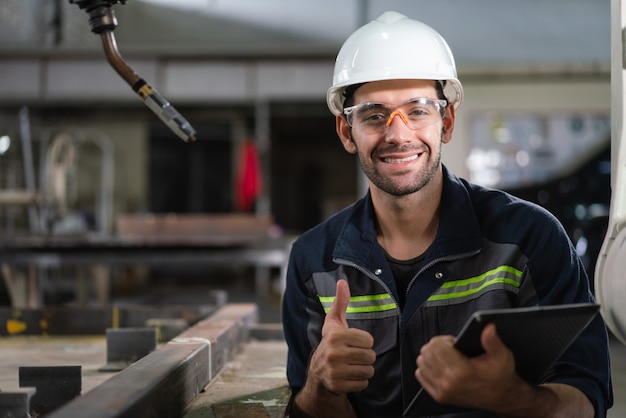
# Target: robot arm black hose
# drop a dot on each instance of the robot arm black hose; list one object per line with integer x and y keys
{"x": 103, "y": 22}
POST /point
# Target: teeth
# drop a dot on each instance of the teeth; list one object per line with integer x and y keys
{"x": 400, "y": 160}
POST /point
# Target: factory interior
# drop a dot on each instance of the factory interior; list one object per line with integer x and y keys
{"x": 172, "y": 216}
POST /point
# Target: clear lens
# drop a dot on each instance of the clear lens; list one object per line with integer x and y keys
{"x": 374, "y": 117}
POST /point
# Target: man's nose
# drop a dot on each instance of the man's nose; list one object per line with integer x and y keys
{"x": 393, "y": 115}
{"x": 397, "y": 132}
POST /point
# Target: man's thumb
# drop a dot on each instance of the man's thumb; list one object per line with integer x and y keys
{"x": 490, "y": 340}
{"x": 337, "y": 311}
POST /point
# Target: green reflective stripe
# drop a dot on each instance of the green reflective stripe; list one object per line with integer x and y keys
{"x": 362, "y": 304}
{"x": 477, "y": 279}
{"x": 326, "y": 299}
{"x": 375, "y": 308}
{"x": 457, "y": 289}
{"x": 330, "y": 299}
{"x": 363, "y": 298}
{"x": 454, "y": 295}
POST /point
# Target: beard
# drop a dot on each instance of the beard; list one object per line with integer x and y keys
{"x": 390, "y": 185}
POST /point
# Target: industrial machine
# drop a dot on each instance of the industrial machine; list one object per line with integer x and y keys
{"x": 610, "y": 274}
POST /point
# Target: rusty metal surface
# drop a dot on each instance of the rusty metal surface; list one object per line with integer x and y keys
{"x": 239, "y": 228}
{"x": 227, "y": 329}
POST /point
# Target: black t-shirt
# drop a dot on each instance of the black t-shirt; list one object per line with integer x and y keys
{"x": 403, "y": 272}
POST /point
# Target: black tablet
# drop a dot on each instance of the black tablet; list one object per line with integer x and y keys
{"x": 537, "y": 336}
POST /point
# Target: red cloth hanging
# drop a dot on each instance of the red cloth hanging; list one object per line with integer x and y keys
{"x": 249, "y": 177}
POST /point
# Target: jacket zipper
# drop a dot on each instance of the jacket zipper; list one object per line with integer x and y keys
{"x": 371, "y": 276}
{"x": 420, "y": 271}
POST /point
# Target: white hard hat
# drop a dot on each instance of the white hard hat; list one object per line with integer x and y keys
{"x": 393, "y": 47}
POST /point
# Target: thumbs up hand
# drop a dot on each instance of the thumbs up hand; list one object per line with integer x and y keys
{"x": 343, "y": 361}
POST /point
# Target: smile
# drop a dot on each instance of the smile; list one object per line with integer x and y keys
{"x": 401, "y": 160}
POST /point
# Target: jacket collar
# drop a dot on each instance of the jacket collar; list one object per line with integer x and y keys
{"x": 458, "y": 233}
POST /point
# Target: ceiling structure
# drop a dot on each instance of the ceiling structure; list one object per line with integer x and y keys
{"x": 481, "y": 33}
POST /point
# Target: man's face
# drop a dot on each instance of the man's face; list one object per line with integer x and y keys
{"x": 398, "y": 160}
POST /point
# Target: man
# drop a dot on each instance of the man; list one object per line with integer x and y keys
{"x": 375, "y": 293}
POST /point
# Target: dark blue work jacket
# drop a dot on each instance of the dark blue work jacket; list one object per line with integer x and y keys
{"x": 491, "y": 251}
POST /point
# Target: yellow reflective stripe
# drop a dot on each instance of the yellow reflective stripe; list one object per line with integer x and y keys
{"x": 454, "y": 295}
{"x": 471, "y": 280}
{"x": 456, "y": 289}
{"x": 362, "y": 304}
{"x": 357, "y": 298}
{"x": 373, "y": 308}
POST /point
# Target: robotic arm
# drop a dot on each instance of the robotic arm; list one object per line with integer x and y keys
{"x": 102, "y": 21}
{"x": 610, "y": 274}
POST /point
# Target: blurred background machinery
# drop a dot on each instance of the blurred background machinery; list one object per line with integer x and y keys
{"x": 92, "y": 175}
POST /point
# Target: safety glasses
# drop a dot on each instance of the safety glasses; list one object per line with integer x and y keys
{"x": 374, "y": 117}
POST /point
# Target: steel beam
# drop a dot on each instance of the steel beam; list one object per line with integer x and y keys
{"x": 163, "y": 383}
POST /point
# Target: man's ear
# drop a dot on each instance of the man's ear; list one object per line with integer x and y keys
{"x": 448, "y": 124}
{"x": 343, "y": 131}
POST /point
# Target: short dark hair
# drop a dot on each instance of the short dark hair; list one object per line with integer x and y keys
{"x": 440, "y": 86}
{"x": 348, "y": 94}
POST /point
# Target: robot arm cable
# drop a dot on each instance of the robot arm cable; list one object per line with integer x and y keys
{"x": 102, "y": 21}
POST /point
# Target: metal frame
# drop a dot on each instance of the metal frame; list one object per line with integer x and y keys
{"x": 164, "y": 382}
